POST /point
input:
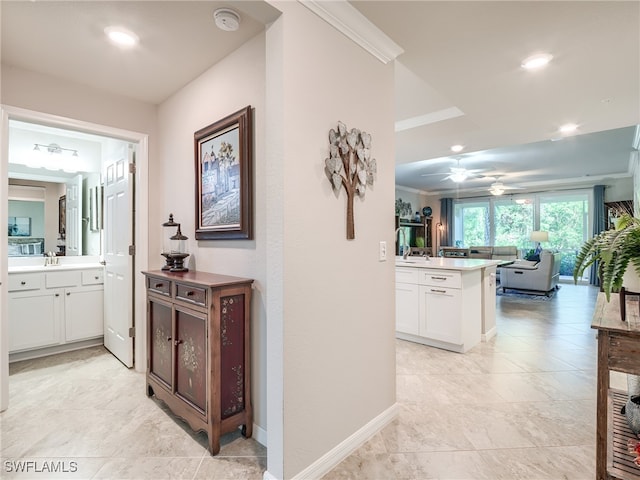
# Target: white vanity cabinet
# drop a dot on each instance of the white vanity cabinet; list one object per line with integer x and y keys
{"x": 50, "y": 311}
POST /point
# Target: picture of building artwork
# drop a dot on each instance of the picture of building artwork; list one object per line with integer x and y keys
{"x": 220, "y": 169}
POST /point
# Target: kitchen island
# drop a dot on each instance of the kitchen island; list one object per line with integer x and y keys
{"x": 447, "y": 303}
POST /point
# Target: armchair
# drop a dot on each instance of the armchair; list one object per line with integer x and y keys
{"x": 539, "y": 276}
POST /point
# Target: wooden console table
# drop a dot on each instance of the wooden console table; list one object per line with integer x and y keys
{"x": 618, "y": 350}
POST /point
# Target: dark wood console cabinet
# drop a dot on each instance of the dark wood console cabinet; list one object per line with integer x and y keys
{"x": 618, "y": 350}
{"x": 198, "y": 350}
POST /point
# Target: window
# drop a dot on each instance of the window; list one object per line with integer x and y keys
{"x": 513, "y": 222}
{"x": 471, "y": 224}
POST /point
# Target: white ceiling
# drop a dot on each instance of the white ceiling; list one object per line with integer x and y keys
{"x": 458, "y": 57}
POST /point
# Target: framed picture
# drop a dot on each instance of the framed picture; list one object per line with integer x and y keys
{"x": 62, "y": 215}
{"x": 224, "y": 184}
{"x": 19, "y": 227}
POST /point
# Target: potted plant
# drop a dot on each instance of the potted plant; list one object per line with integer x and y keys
{"x": 615, "y": 250}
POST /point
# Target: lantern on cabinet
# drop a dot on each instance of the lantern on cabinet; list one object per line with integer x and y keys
{"x": 167, "y": 233}
{"x": 178, "y": 251}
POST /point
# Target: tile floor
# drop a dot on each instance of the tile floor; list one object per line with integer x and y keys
{"x": 521, "y": 406}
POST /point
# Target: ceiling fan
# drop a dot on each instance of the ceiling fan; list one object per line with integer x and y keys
{"x": 497, "y": 188}
{"x": 458, "y": 174}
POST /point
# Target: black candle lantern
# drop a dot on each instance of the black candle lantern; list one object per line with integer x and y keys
{"x": 178, "y": 252}
{"x": 167, "y": 232}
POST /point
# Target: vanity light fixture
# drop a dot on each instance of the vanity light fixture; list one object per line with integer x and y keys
{"x": 121, "y": 37}
{"x": 54, "y": 148}
{"x": 536, "y": 61}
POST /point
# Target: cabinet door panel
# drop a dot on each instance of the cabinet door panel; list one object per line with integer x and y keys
{"x": 34, "y": 320}
{"x": 84, "y": 313}
{"x": 407, "y": 312}
{"x": 191, "y": 358}
{"x": 440, "y": 313}
{"x": 160, "y": 341}
{"x": 232, "y": 367}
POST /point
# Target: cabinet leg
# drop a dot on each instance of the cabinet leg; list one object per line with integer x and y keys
{"x": 247, "y": 430}
{"x": 214, "y": 444}
{"x": 149, "y": 391}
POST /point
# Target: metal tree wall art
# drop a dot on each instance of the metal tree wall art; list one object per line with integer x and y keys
{"x": 350, "y": 165}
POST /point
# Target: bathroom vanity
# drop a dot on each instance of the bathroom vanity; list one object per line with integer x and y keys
{"x": 445, "y": 302}
{"x": 54, "y": 308}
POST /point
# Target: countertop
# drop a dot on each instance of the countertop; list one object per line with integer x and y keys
{"x": 446, "y": 263}
{"x": 53, "y": 268}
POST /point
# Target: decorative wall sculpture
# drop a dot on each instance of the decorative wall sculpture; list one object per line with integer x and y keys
{"x": 350, "y": 165}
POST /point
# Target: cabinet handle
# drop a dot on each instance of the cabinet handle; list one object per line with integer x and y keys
{"x": 438, "y": 278}
{"x": 190, "y": 293}
{"x": 178, "y": 342}
{"x": 158, "y": 285}
{"x": 438, "y": 291}
{"x": 23, "y": 283}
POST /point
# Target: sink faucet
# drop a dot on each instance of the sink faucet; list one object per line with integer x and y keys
{"x": 403, "y": 244}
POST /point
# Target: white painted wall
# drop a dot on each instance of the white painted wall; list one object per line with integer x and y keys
{"x": 232, "y": 84}
{"x": 337, "y": 312}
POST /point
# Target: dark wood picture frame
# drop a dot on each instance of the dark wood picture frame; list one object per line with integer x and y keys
{"x": 224, "y": 179}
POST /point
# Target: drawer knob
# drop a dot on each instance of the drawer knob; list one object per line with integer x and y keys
{"x": 23, "y": 283}
{"x": 68, "y": 293}
{"x": 96, "y": 277}
{"x": 168, "y": 339}
{"x": 158, "y": 285}
{"x": 178, "y": 342}
{"x": 190, "y": 293}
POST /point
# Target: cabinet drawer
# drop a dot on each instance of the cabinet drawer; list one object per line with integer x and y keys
{"x": 441, "y": 278}
{"x": 62, "y": 279}
{"x": 92, "y": 277}
{"x": 25, "y": 281}
{"x": 407, "y": 275}
{"x": 159, "y": 285}
{"x": 191, "y": 294}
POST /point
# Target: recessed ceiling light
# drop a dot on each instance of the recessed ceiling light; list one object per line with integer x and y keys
{"x": 536, "y": 61}
{"x": 568, "y": 128}
{"x": 457, "y": 148}
{"x": 121, "y": 36}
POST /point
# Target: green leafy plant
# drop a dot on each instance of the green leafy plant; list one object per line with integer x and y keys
{"x": 615, "y": 250}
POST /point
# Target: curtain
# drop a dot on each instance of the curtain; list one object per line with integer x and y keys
{"x": 599, "y": 224}
{"x": 446, "y": 219}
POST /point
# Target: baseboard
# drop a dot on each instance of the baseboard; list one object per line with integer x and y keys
{"x": 267, "y": 476}
{"x": 345, "y": 448}
{"x": 485, "y": 337}
{"x": 259, "y": 435}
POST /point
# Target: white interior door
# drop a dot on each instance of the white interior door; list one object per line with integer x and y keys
{"x": 73, "y": 217}
{"x": 118, "y": 235}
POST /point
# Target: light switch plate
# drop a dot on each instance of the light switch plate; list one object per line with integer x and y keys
{"x": 382, "y": 254}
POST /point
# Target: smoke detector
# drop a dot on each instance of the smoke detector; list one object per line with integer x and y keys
{"x": 227, "y": 19}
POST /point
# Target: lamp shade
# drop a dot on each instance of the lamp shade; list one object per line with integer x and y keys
{"x": 539, "y": 236}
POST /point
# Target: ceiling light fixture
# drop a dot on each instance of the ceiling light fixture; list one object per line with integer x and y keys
{"x": 457, "y": 148}
{"x": 121, "y": 37}
{"x": 459, "y": 176}
{"x": 226, "y": 19}
{"x": 536, "y": 61}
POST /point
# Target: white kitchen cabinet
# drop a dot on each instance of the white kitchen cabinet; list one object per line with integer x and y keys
{"x": 407, "y": 312}
{"x": 52, "y": 311}
{"x": 440, "y": 314}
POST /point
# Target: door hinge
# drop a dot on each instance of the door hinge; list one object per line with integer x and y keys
{"x": 132, "y": 332}
{"x": 132, "y": 249}
{"x": 132, "y": 168}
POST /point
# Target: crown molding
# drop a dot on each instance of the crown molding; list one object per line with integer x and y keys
{"x": 345, "y": 18}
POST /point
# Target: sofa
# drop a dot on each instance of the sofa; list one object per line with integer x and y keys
{"x": 508, "y": 253}
{"x": 533, "y": 276}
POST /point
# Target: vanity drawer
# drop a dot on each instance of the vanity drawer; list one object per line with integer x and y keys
{"x": 92, "y": 277}
{"x": 25, "y": 281}
{"x": 191, "y": 294}
{"x": 159, "y": 285}
{"x": 408, "y": 275}
{"x": 62, "y": 279}
{"x": 441, "y": 278}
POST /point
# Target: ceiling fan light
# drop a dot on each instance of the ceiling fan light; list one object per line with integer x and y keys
{"x": 497, "y": 191}
{"x": 458, "y": 177}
